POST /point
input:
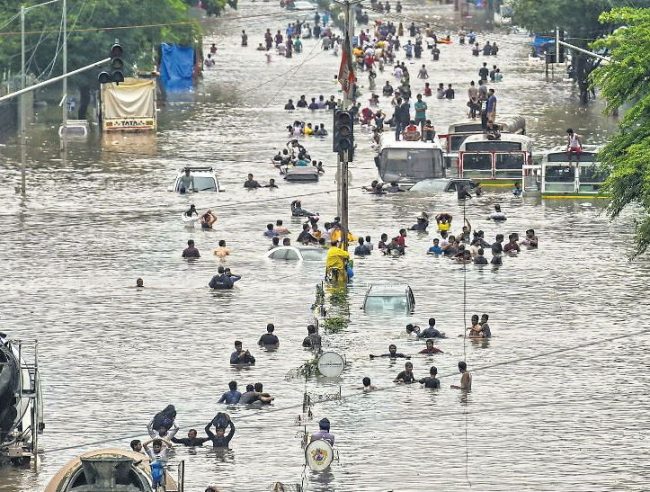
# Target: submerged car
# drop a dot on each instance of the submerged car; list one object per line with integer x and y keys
{"x": 203, "y": 179}
{"x": 302, "y": 174}
{"x": 440, "y": 185}
{"x": 297, "y": 253}
{"x": 301, "y": 5}
{"x": 394, "y": 297}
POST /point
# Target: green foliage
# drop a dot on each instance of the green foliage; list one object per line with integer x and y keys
{"x": 212, "y": 7}
{"x": 579, "y": 18}
{"x": 335, "y": 324}
{"x": 91, "y": 26}
{"x": 626, "y": 80}
{"x": 306, "y": 370}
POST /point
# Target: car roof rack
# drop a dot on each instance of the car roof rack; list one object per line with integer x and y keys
{"x": 198, "y": 168}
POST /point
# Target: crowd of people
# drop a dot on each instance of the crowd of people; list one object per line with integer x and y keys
{"x": 374, "y": 50}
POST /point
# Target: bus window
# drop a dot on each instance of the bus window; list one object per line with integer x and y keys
{"x": 477, "y": 165}
{"x": 559, "y": 174}
{"x": 509, "y": 165}
{"x": 477, "y": 162}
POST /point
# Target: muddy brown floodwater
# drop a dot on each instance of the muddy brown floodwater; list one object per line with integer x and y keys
{"x": 538, "y": 418}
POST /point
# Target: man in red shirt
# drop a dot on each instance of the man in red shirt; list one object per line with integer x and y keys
{"x": 401, "y": 239}
{"x": 430, "y": 350}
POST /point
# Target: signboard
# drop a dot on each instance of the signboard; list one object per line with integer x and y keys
{"x": 319, "y": 455}
{"x": 331, "y": 364}
{"x": 129, "y": 106}
{"x": 114, "y": 124}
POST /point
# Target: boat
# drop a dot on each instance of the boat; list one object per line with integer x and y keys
{"x": 458, "y": 132}
{"x": 408, "y": 161}
{"x": 301, "y": 174}
{"x": 556, "y": 177}
{"x": 495, "y": 162}
{"x": 111, "y": 470}
{"x": 21, "y": 412}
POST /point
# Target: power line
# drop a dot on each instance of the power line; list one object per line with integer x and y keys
{"x": 156, "y": 213}
{"x": 143, "y": 26}
{"x": 394, "y": 388}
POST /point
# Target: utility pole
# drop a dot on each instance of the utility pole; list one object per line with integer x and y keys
{"x": 64, "y": 99}
{"x": 21, "y": 105}
{"x": 23, "y": 76}
{"x": 557, "y": 45}
{"x": 22, "y": 113}
{"x": 348, "y": 99}
{"x": 342, "y": 204}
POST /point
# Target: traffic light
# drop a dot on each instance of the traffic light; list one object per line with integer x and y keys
{"x": 116, "y": 66}
{"x": 343, "y": 136}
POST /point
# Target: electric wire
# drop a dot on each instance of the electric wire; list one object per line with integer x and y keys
{"x": 295, "y": 69}
{"x": 144, "y": 26}
{"x": 350, "y": 396}
{"x": 157, "y": 213}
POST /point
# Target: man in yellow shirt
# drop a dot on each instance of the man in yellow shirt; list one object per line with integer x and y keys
{"x": 336, "y": 234}
{"x": 336, "y": 261}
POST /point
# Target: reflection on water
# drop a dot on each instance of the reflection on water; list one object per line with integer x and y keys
{"x": 111, "y": 355}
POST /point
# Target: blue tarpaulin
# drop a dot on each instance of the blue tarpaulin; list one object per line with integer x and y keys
{"x": 542, "y": 44}
{"x": 176, "y": 67}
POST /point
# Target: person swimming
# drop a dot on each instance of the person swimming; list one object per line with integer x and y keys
{"x": 298, "y": 211}
{"x": 191, "y": 211}
{"x": 392, "y": 353}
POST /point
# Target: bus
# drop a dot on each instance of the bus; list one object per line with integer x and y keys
{"x": 408, "y": 161}
{"x": 496, "y": 162}
{"x": 559, "y": 178}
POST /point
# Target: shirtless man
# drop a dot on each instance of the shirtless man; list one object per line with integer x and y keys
{"x": 475, "y": 329}
{"x": 222, "y": 251}
{"x": 465, "y": 378}
{"x": 208, "y": 219}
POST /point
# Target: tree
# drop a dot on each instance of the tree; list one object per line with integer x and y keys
{"x": 580, "y": 19}
{"x": 141, "y": 26}
{"x": 626, "y": 81}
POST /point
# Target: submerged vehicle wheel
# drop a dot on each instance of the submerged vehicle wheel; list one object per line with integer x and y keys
{"x": 21, "y": 461}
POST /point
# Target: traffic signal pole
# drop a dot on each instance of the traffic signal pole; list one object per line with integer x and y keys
{"x": 54, "y": 80}
{"x": 344, "y": 157}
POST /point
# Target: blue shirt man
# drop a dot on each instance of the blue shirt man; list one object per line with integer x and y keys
{"x": 435, "y": 249}
{"x": 270, "y": 231}
{"x": 420, "y": 110}
{"x": 362, "y": 249}
{"x": 232, "y": 396}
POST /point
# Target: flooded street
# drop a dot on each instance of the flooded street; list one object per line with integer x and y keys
{"x": 538, "y": 418}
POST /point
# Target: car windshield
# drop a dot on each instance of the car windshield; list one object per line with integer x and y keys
{"x": 204, "y": 183}
{"x": 386, "y": 303}
{"x": 313, "y": 254}
{"x": 430, "y": 185}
